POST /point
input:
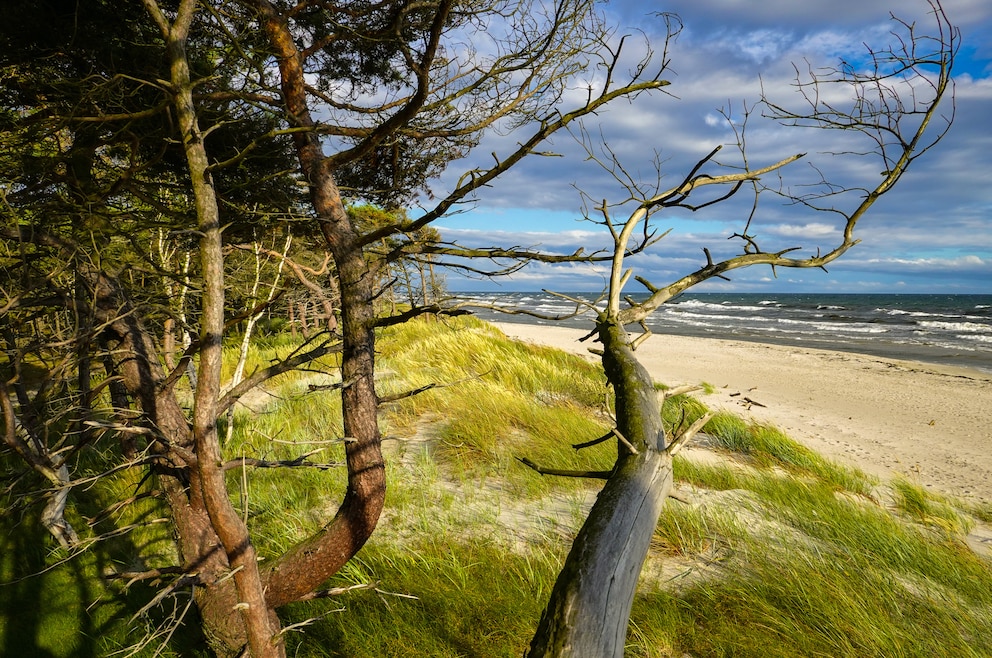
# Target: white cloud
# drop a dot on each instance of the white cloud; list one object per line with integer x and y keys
{"x": 811, "y": 230}
{"x": 938, "y": 219}
{"x": 970, "y": 271}
{"x": 961, "y": 262}
{"x": 759, "y": 45}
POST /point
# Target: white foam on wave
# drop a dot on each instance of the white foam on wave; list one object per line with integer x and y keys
{"x": 836, "y": 327}
{"x": 689, "y": 320}
{"x": 957, "y": 326}
{"x": 723, "y": 306}
{"x": 917, "y": 314}
{"x": 730, "y": 320}
{"x": 695, "y": 303}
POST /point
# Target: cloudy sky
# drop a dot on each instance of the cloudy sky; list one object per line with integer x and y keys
{"x": 932, "y": 233}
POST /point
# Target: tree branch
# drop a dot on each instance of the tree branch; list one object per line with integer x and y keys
{"x": 594, "y": 475}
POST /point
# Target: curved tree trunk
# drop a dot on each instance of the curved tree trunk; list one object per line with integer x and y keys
{"x": 590, "y": 604}
{"x": 302, "y": 569}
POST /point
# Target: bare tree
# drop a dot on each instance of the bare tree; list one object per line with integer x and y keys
{"x": 897, "y": 106}
{"x": 444, "y": 102}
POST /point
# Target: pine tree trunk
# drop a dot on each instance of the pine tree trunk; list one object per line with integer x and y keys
{"x": 304, "y": 567}
{"x": 199, "y": 547}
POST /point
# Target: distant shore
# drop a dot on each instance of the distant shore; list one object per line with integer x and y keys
{"x": 927, "y": 422}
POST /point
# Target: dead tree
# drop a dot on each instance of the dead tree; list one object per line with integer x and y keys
{"x": 588, "y": 611}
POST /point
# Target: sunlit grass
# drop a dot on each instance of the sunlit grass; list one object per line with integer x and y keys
{"x": 826, "y": 574}
{"x": 439, "y": 596}
{"x": 688, "y": 531}
{"x": 768, "y": 446}
{"x": 930, "y": 509}
{"x": 497, "y": 400}
{"x": 716, "y": 477}
{"x": 780, "y": 552}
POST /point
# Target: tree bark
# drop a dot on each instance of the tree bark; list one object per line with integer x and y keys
{"x": 260, "y": 624}
{"x": 199, "y": 547}
{"x": 304, "y": 567}
{"x": 588, "y": 612}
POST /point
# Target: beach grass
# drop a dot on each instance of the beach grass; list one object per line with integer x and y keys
{"x": 496, "y": 401}
{"x": 770, "y": 549}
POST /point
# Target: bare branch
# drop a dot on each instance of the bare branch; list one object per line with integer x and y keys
{"x": 337, "y": 591}
{"x": 302, "y": 460}
{"x": 594, "y": 475}
{"x": 682, "y": 439}
{"x": 258, "y": 377}
{"x": 417, "y": 391}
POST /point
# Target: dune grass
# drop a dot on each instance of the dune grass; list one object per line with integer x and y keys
{"x": 475, "y": 597}
{"x": 497, "y": 400}
{"x": 843, "y": 579}
{"x": 771, "y": 551}
{"x": 768, "y": 446}
{"x": 929, "y": 509}
{"x": 817, "y": 567}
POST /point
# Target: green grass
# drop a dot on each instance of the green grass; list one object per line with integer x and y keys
{"x": 497, "y": 400}
{"x": 53, "y": 603}
{"x": 827, "y": 575}
{"x": 471, "y": 598}
{"x": 776, "y": 551}
{"x": 800, "y": 603}
{"x": 689, "y": 531}
{"x": 768, "y": 446}
{"x": 930, "y": 509}
{"x": 981, "y": 511}
{"x": 717, "y": 477}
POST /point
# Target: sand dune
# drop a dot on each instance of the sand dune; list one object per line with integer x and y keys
{"x": 927, "y": 422}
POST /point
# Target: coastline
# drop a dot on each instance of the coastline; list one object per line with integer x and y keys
{"x": 886, "y": 416}
{"x": 951, "y": 330}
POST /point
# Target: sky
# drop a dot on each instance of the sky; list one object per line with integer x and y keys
{"x": 931, "y": 234}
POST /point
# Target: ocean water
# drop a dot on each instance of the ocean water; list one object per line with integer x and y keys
{"x": 946, "y": 329}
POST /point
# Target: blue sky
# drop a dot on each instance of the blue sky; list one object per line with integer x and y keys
{"x": 933, "y": 233}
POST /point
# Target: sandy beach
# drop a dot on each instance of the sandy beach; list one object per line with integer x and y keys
{"x": 927, "y": 422}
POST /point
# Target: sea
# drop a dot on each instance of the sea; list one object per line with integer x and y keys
{"x": 951, "y": 330}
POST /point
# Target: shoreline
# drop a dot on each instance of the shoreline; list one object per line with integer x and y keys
{"x": 926, "y": 355}
{"x": 888, "y": 417}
